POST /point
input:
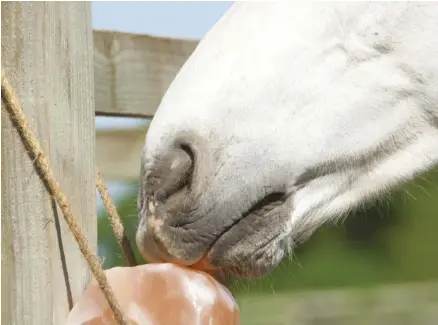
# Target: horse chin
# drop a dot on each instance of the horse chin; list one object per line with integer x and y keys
{"x": 253, "y": 264}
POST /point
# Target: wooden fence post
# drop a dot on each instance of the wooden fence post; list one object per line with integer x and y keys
{"x": 47, "y": 56}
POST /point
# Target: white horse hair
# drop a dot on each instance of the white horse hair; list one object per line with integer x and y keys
{"x": 287, "y": 115}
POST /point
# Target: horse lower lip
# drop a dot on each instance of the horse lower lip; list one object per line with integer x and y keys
{"x": 279, "y": 199}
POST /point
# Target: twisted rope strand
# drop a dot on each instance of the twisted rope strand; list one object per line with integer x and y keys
{"x": 114, "y": 218}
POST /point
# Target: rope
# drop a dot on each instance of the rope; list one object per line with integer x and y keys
{"x": 114, "y": 218}
{"x": 42, "y": 167}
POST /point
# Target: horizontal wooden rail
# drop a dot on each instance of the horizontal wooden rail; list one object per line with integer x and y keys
{"x": 401, "y": 304}
{"x": 132, "y": 72}
{"x": 118, "y": 153}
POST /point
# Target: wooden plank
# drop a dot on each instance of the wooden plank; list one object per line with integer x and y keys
{"x": 408, "y": 303}
{"x": 118, "y": 153}
{"x": 132, "y": 72}
{"x": 47, "y": 57}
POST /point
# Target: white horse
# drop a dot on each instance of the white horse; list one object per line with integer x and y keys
{"x": 287, "y": 115}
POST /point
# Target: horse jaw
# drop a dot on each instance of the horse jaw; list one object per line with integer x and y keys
{"x": 329, "y": 104}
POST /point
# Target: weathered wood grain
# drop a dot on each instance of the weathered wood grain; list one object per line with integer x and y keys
{"x": 118, "y": 153}
{"x": 132, "y": 72}
{"x": 400, "y": 304}
{"x": 47, "y": 55}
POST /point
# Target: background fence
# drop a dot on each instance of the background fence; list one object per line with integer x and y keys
{"x": 408, "y": 304}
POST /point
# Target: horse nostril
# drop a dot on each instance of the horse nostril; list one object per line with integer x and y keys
{"x": 188, "y": 150}
{"x": 172, "y": 173}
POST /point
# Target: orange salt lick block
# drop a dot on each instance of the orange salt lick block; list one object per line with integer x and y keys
{"x": 158, "y": 294}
